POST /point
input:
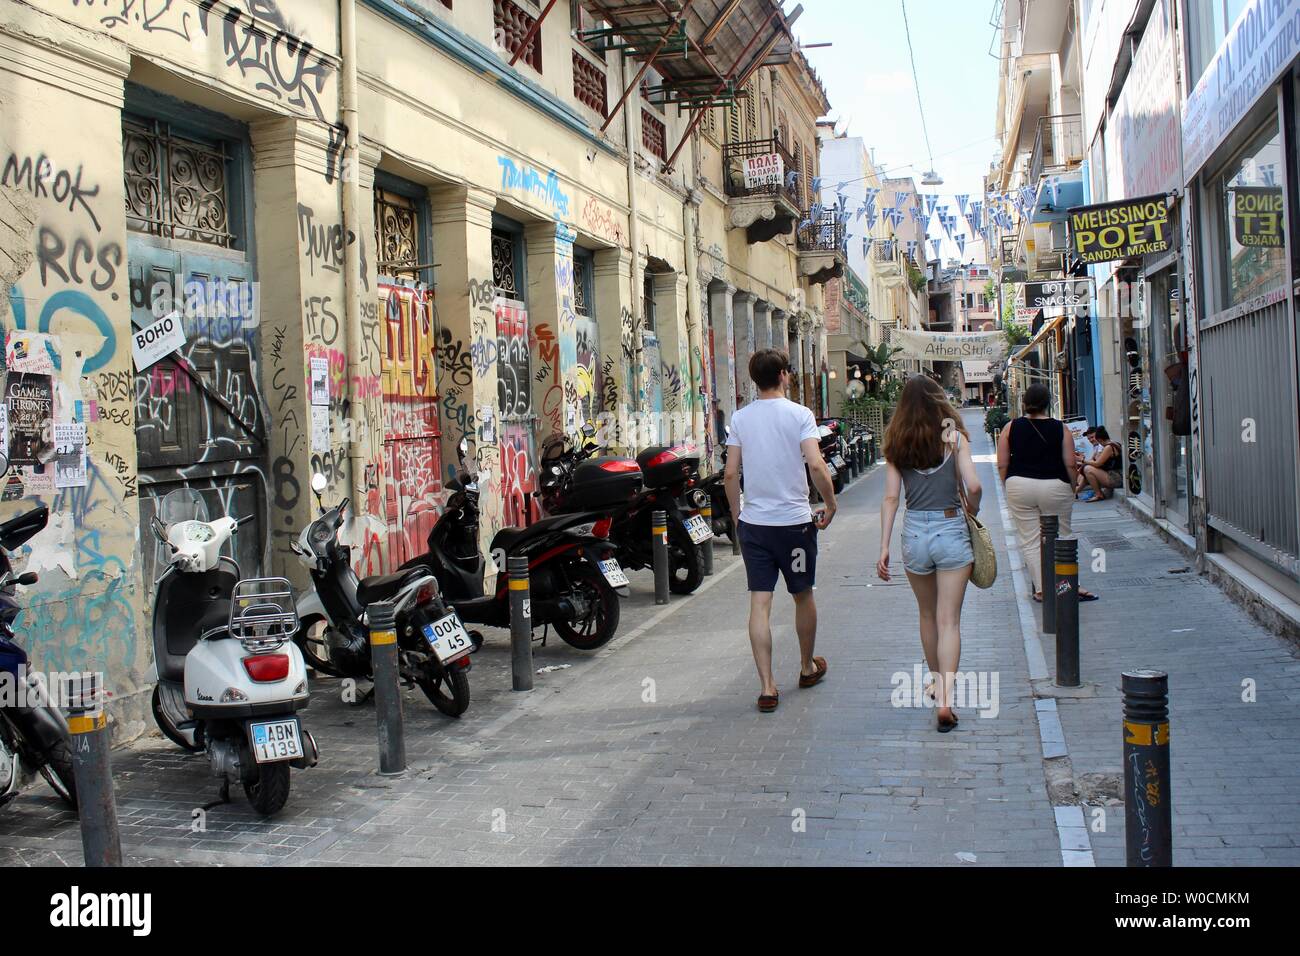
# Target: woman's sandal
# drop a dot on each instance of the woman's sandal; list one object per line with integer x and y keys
{"x": 767, "y": 702}
{"x": 945, "y": 724}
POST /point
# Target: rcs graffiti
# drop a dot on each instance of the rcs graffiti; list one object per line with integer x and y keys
{"x": 105, "y": 258}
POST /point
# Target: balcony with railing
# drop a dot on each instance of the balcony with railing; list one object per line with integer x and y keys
{"x": 760, "y": 179}
{"x": 887, "y": 262}
{"x": 1058, "y": 146}
{"x": 820, "y": 243}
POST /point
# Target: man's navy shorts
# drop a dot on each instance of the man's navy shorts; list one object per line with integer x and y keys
{"x": 790, "y": 549}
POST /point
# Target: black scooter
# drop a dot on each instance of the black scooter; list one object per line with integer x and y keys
{"x": 572, "y": 570}
{"x": 670, "y": 476}
{"x": 714, "y": 487}
{"x": 34, "y": 734}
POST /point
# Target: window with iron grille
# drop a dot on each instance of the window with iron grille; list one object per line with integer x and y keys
{"x": 589, "y": 86}
{"x": 397, "y": 233}
{"x": 653, "y": 135}
{"x": 511, "y": 24}
{"x": 582, "y": 283}
{"x": 505, "y": 263}
{"x": 176, "y": 187}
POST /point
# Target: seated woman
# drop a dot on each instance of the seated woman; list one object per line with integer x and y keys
{"x": 1104, "y": 472}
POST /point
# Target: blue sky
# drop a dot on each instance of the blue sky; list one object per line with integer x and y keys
{"x": 869, "y": 80}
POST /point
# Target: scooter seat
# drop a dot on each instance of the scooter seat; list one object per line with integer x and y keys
{"x": 507, "y": 539}
{"x": 381, "y": 587}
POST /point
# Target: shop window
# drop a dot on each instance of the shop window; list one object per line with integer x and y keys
{"x": 1252, "y": 220}
{"x": 1208, "y": 23}
{"x": 176, "y": 187}
{"x": 511, "y": 24}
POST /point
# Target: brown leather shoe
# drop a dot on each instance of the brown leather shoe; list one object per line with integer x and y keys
{"x": 807, "y": 680}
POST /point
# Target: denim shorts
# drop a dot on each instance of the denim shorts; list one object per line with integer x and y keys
{"x": 933, "y": 542}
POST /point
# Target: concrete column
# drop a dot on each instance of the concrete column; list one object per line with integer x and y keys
{"x": 722, "y": 326}
{"x": 612, "y": 277}
{"x": 553, "y": 328}
{"x": 742, "y": 309}
{"x": 780, "y": 329}
{"x": 462, "y": 233}
{"x": 674, "y": 356}
{"x": 762, "y": 325}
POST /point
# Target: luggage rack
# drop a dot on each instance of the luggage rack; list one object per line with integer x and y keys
{"x": 262, "y": 613}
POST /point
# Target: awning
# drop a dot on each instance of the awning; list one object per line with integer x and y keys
{"x": 1048, "y": 327}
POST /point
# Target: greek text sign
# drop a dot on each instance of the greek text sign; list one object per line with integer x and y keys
{"x": 153, "y": 342}
{"x": 950, "y": 346}
{"x": 1260, "y": 45}
{"x": 764, "y": 170}
{"x": 1118, "y": 230}
{"x": 1257, "y": 215}
{"x": 1065, "y": 294}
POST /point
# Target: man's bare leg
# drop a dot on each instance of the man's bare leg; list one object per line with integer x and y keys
{"x": 760, "y": 638}
{"x": 805, "y": 625}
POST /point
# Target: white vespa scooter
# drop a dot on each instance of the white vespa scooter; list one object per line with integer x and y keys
{"x": 230, "y": 678}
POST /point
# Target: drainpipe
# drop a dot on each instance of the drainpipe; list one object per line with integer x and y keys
{"x": 352, "y": 250}
{"x": 694, "y": 321}
{"x": 634, "y": 238}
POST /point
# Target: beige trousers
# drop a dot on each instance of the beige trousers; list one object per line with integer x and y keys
{"x": 1027, "y": 500}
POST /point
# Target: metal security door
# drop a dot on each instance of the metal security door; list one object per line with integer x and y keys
{"x": 412, "y": 454}
{"x": 200, "y": 421}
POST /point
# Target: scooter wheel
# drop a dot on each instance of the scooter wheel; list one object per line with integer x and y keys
{"x": 59, "y": 774}
{"x": 270, "y": 791}
{"x": 165, "y": 725}
{"x": 601, "y": 621}
{"x": 451, "y": 694}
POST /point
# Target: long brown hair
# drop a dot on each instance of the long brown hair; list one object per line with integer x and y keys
{"x": 914, "y": 438}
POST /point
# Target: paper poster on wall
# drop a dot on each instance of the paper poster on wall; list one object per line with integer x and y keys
{"x": 320, "y": 380}
{"x": 29, "y": 401}
{"x": 28, "y": 352}
{"x": 320, "y": 428}
{"x": 157, "y": 341}
{"x": 38, "y": 480}
{"x": 486, "y": 430}
{"x": 69, "y": 455}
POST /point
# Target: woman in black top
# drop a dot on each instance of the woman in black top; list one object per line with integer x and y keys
{"x": 1036, "y": 462}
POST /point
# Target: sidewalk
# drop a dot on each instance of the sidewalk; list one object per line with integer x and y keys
{"x": 1235, "y": 765}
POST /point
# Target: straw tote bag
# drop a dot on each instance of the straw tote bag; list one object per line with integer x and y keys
{"x": 985, "y": 570}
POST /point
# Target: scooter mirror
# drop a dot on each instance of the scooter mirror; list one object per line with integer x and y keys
{"x": 588, "y": 430}
{"x": 318, "y": 484}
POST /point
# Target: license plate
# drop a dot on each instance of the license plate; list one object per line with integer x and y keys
{"x": 698, "y": 529}
{"x": 613, "y": 572}
{"x": 839, "y": 462}
{"x": 275, "y": 740}
{"x": 448, "y": 638}
{"x": 832, "y": 469}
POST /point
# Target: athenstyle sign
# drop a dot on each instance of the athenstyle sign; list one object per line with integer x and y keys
{"x": 950, "y": 346}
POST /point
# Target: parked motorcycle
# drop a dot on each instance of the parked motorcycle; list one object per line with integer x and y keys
{"x": 433, "y": 647}
{"x": 33, "y": 732}
{"x": 714, "y": 487}
{"x": 230, "y": 679}
{"x": 828, "y": 440}
{"x": 572, "y": 569}
{"x": 669, "y": 475}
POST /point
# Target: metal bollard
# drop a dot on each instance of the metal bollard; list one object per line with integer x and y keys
{"x": 706, "y": 547}
{"x": 388, "y": 699}
{"x": 101, "y": 843}
{"x": 1148, "y": 804}
{"x": 521, "y": 625}
{"x": 1067, "y": 613}
{"x": 1048, "y": 525}
{"x": 659, "y": 544}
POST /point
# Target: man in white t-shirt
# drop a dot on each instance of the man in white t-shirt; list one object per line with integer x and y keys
{"x": 777, "y": 530}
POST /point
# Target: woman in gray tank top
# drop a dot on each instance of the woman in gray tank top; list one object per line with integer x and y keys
{"x": 929, "y": 457}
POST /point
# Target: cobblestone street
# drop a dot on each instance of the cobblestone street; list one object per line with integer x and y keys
{"x": 650, "y": 751}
